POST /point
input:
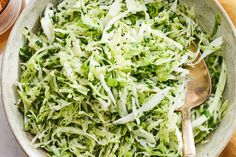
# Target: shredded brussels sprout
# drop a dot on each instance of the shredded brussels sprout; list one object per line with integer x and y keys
{"x": 102, "y": 78}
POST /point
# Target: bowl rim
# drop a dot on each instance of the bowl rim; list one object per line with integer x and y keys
{"x": 24, "y": 13}
{"x": 20, "y": 18}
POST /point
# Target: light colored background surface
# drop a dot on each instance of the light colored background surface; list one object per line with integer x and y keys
{"x": 10, "y": 148}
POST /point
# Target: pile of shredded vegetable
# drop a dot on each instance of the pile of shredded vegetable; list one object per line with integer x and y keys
{"x": 103, "y": 78}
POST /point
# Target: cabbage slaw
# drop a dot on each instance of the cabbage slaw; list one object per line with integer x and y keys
{"x": 103, "y": 78}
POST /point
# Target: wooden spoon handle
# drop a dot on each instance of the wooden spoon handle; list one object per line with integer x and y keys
{"x": 188, "y": 139}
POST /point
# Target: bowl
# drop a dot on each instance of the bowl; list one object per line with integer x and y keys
{"x": 9, "y": 14}
{"x": 205, "y": 10}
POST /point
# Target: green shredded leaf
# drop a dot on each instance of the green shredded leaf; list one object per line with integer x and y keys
{"x": 216, "y": 26}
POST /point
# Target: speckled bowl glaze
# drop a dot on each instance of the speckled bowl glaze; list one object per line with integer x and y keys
{"x": 205, "y": 10}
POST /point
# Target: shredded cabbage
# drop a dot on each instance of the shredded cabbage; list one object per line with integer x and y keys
{"x": 103, "y": 78}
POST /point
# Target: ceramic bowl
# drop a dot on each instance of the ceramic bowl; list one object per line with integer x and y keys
{"x": 205, "y": 10}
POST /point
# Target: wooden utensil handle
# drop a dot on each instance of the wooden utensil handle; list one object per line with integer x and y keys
{"x": 188, "y": 139}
